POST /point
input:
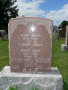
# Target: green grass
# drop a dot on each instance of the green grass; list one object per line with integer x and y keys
{"x": 59, "y": 58}
{"x": 18, "y": 88}
{"x": 4, "y": 57}
{"x": 11, "y": 88}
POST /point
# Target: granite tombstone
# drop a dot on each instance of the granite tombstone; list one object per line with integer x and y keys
{"x": 30, "y": 49}
{"x": 56, "y": 33}
{"x": 66, "y": 41}
{"x": 66, "y": 36}
{"x": 30, "y": 44}
{"x": 64, "y": 47}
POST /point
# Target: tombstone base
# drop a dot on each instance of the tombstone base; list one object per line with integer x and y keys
{"x": 64, "y": 47}
{"x": 43, "y": 81}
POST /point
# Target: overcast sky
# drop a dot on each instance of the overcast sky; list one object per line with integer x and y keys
{"x": 56, "y": 10}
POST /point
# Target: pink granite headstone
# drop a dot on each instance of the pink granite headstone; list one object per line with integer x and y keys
{"x": 30, "y": 44}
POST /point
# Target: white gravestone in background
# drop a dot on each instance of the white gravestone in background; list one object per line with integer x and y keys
{"x": 64, "y": 47}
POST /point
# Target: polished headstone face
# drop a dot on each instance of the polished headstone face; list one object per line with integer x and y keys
{"x": 30, "y": 44}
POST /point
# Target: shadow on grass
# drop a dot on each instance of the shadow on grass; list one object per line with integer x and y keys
{"x": 19, "y": 88}
{"x": 65, "y": 86}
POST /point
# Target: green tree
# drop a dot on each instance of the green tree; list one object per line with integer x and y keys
{"x": 7, "y": 10}
{"x": 63, "y": 27}
{"x": 63, "y": 24}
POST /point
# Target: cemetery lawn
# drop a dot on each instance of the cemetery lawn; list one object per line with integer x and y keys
{"x": 59, "y": 58}
{"x": 4, "y": 57}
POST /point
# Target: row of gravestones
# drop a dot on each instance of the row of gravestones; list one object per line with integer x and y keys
{"x": 64, "y": 47}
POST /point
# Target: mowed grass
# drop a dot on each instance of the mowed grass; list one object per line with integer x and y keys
{"x": 4, "y": 57}
{"x": 59, "y": 58}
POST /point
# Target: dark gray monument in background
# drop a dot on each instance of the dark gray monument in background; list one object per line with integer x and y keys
{"x": 56, "y": 33}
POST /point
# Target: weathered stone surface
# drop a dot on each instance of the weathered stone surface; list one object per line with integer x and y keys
{"x": 3, "y": 34}
{"x": 44, "y": 81}
{"x": 30, "y": 44}
{"x": 64, "y": 47}
{"x": 66, "y": 42}
{"x": 56, "y": 34}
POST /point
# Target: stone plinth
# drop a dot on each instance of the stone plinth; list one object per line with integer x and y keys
{"x": 44, "y": 81}
{"x": 64, "y": 47}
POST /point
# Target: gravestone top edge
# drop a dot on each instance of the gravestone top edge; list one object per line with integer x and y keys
{"x": 31, "y": 18}
{"x": 41, "y": 21}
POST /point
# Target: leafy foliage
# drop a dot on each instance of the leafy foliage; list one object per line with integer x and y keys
{"x": 63, "y": 27}
{"x": 63, "y": 24}
{"x": 7, "y": 10}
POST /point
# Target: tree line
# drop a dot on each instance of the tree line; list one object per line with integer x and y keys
{"x": 7, "y": 10}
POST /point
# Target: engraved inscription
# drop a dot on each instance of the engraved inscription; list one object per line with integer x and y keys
{"x": 30, "y": 47}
